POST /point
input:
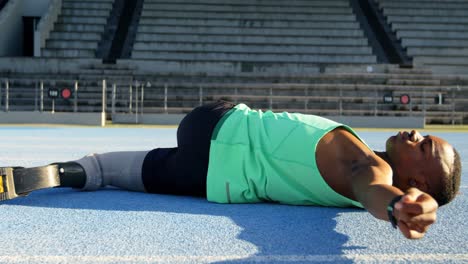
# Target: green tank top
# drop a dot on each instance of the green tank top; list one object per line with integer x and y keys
{"x": 260, "y": 156}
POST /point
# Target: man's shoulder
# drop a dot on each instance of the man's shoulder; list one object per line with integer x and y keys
{"x": 352, "y": 150}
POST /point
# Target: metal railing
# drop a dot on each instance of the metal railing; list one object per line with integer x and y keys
{"x": 445, "y": 104}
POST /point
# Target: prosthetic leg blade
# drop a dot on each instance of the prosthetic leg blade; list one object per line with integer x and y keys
{"x": 16, "y": 181}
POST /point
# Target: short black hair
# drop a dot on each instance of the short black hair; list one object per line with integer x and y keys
{"x": 450, "y": 183}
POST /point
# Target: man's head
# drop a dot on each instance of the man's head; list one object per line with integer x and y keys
{"x": 428, "y": 163}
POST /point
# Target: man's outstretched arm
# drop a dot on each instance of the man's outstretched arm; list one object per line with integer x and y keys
{"x": 414, "y": 212}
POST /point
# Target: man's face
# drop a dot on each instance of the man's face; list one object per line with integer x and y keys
{"x": 419, "y": 161}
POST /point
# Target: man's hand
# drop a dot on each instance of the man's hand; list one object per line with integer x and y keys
{"x": 415, "y": 212}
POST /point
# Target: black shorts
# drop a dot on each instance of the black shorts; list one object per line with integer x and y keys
{"x": 183, "y": 170}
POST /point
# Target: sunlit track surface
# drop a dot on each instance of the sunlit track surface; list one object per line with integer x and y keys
{"x": 115, "y": 226}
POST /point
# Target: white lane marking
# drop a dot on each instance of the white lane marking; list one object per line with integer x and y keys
{"x": 203, "y": 259}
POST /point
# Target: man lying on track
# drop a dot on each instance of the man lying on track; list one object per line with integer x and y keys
{"x": 231, "y": 154}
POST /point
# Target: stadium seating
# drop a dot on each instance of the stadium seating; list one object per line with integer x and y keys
{"x": 245, "y": 36}
{"x": 79, "y": 29}
{"x": 434, "y": 32}
{"x": 306, "y": 56}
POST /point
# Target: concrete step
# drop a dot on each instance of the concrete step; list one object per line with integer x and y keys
{"x": 427, "y": 19}
{"x": 82, "y": 20}
{"x": 412, "y": 82}
{"x": 223, "y": 8}
{"x": 438, "y": 51}
{"x": 258, "y": 3}
{"x": 248, "y": 16}
{"x": 88, "y": 73}
{"x": 422, "y": 11}
{"x": 79, "y": 27}
{"x": 59, "y": 44}
{"x": 438, "y": 60}
{"x": 69, "y": 53}
{"x": 413, "y": 71}
{"x": 119, "y": 66}
{"x": 285, "y": 49}
{"x": 245, "y": 23}
{"x": 414, "y": 77}
{"x": 432, "y": 34}
{"x": 254, "y": 57}
{"x": 178, "y": 66}
{"x": 96, "y": 74}
{"x": 193, "y": 38}
{"x": 340, "y": 78}
{"x": 223, "y": 31}
{"x": 85, "y": 12}
{"x": 424, "y": 4}
{"x": 85, "y": 5}
{"x": 430, "y": 26}
{"x": 75, "y": 36}
{"x": 449, "y": 69}
{"x": 415, "y": 42}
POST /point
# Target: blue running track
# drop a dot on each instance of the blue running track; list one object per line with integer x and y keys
{"x": 115, "y": 226}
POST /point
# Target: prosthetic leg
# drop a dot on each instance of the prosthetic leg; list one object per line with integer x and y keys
{"x": 119, "y": 169}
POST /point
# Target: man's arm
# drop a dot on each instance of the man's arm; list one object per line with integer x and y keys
{"x": 415, "y": 211}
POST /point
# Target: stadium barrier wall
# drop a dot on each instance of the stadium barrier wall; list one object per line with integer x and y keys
{"x": 90, "y": 119}
{"x": 380, "y": 121}
{"x": 147, "y": 119}
{"x": 45, "y": 65}
{"x": 11, "y": 29}
{"x": 45, "y": 26}
{"x": 352, "y": 121}
{"x": 36, "y": 8}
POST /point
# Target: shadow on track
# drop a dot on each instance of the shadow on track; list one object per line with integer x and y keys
{"x": 283, "y": 232}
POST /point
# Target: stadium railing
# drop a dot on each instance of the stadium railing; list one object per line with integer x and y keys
{"x": 441, "y": 104}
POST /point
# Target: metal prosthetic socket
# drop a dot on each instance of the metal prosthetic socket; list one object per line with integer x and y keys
{"x": 18, "y": 181}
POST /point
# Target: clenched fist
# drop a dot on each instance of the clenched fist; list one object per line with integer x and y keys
{"x": 415, "y": 212}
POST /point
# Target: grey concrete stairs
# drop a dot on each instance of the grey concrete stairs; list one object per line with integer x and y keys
{"x": 250, "y": 36}
{"x": 79, "y": 29}
{"x": 434, "y": 32}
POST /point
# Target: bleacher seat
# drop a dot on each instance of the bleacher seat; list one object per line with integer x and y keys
{"x": 434, "y": 32}
{"x": 79, "y": 29}
{"x": 250, "y": 36}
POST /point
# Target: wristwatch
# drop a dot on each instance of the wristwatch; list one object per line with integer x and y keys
{"x": 390, "y": 208}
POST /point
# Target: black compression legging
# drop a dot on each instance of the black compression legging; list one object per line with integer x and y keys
{"x": 182, "y": 170}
